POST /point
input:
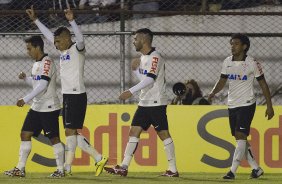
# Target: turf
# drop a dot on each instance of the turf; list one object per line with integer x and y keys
{"x": 140, "y": 178}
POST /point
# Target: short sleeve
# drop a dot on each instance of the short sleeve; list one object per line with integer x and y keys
{"x": 156, "y": 64}
{"x": 257, "y": 69}
{"x": 47, "y": 69}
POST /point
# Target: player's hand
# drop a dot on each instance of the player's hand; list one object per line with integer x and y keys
{"x": 22, "y": 75}
{"x": 210, "y": 97}
{"x": 31, "y": 14}
{"x": 69, "y": 14}
{"x": 135, "y": 63}
{"x": 269, "y": 113}
{"x": 20, "y": 103}
{"x": 125, "y": 95}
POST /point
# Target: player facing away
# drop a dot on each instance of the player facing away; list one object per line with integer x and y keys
{"x": 45, "y": 109}
{"x": 241, "y": 70}
{"x": 150, "y": 70}
{"x": 72, "y": 59}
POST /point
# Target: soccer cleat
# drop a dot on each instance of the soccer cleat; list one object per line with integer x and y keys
{"x": 118, "y": 170}
{"x": 169, "y": 173}
{"x": 57, "y": 174}
{"x": 100, "y": 165}
{"x": 68, "y": 173}
{"x": 229, "y": 176}
{"x": 256, "y": 173}
{"x": 15, "y": 172}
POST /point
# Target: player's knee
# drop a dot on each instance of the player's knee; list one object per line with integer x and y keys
{"x": 163, "y": 134}
{"x": 70, "y": 132}
{"x": 26, "y": 136}
{"x": 54, "y": 140}
{"x": 240, "y": 136}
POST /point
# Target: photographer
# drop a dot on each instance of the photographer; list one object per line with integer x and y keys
{"x": 188, "y": 94}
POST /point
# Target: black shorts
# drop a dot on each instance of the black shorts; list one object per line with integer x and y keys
{"x": 47, "y": 121}
{"x": 146, "y": 116}
{"x": 240, "y": 118}
{"x": 74, "y": 110}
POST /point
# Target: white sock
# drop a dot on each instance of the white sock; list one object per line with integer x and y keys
{"x": 59, "y": 152}
{"x": 71, "y": 143}
{"x": 25, "y": 149}
{"x": 170, "y": 154}
{"x": 250, "y": 157}
{"x": 238, "y": 155}
{"x": 129, "y": 151}
{"x": 83, "y": 143}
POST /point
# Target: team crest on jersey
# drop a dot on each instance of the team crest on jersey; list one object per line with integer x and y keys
{"x": 237, "y": 77}
{"x": 65, "y": 57}
{"x": 142, "y": 71}
{"x": 36, "y": 77}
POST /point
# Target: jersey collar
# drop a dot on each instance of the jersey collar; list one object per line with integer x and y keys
{"x": 244, "y": 58}
{"x": 42, "y": 57}
{"x": 152, "y": 50}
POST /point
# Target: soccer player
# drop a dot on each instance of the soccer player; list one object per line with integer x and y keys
{"x": 240, "y": 70}
{"x": 72, "y": 61}
{"x": 150, "y": 69}
{"x": 45, "y": 109}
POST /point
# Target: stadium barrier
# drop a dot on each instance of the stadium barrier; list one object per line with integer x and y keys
{"x": 201, "y": 134}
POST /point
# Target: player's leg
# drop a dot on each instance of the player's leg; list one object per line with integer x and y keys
{"x": 50, "y": 124}
{"x": 240, "y": 121}
{"x": 139, "y": 123}
{"x": 29, "y": 128}
{"x": 100, "y": 161}
{"x": 160, "y": 123}
{"x": 257, "y": 171}
{"x": 130, "y": 149}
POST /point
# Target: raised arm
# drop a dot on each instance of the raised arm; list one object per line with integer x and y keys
{"x": 44, "y": 30}
{"x": 78, "y": 35}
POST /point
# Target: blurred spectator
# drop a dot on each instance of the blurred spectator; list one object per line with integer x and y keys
{"x": 101, "y": 3}
{"x": 144, "y": 5}
{"x": 188, "y": 94}
{"x": 4, "y": 4}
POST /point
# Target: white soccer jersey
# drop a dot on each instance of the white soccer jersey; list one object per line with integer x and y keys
{"x": 72, "y": 70}
{"x": 47, "y": 100}
{"x": 152, "y": 65}
{"x": 241, "y": 76}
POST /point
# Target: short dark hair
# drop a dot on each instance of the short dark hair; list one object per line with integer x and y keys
{"x": 35, "y": 41}
{"x": 60, "y": 30}
{"x": 243, "y": 38}
{"x": 145, "y": 31}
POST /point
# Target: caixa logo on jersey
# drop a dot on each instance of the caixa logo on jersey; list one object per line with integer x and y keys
{"x": 143, "y": 71}
{"x": 237, "y": 77}
{"x": 36, "y": 77}
{"x": 65, "y": 57}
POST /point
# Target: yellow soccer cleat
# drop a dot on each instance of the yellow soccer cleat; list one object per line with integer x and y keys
{"x": 100, "y": 165}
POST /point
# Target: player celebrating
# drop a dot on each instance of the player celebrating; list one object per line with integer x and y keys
{"x": 241, "y": 70}
{"x": 45, "y": 109}
{"x": 150, "y": 69}
{"x": 72, "y": 61}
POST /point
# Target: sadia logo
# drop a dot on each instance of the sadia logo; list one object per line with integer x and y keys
{"x": 237, "y": 77}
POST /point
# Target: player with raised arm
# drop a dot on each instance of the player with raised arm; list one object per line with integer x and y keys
{"x": 150, "y": 70}
{"x": 45, "y": 109}
{"x": 72, "y": 59}
{"x": 240, "y": 70}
